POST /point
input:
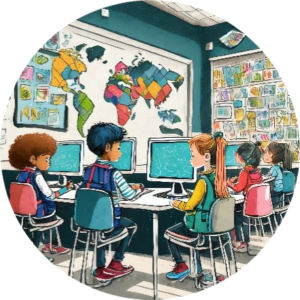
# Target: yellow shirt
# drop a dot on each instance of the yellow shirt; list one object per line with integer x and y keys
{"x": 196, "y": 198}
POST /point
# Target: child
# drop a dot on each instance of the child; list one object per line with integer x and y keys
{"x": 104, "y": 140}
{"x": 249, "y": 155}
{"x": 275, "y": 154}
{"x": 31, "y": 153}
{"x": 206, "y": 150}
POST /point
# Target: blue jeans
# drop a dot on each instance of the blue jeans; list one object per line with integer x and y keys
{"x": 183, "y": 230}
{"x": 123, "y": 244}
{"x": 241, "y": 224}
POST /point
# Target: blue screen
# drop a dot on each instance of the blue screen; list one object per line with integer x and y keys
{"x": 230, "y": 156}
{"x": 125, "y": 161}
{"x": 66, "y": 158}
{"x": 171, "y": 160}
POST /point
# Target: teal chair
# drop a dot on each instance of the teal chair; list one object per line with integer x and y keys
{"x": 94, "y": 215}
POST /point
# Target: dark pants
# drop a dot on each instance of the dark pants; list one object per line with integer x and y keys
{"x": 241, "y": 224}
{"x": 123, "y": 244}
{"x": 184, "y": 231}
{"x": 277, "y": 201}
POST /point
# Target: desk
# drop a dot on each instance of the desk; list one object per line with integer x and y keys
{"x": 150, "y": 203}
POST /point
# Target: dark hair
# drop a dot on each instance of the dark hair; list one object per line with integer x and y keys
{"x": 104, "y": 133}
{"x": 250, "y": 153}
{"x": 281, "y": 153}
{"x": 30, "y": 144}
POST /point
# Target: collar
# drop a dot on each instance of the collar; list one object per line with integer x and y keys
{"x": 103, "y": 161}
{"x": 29, "y": 169}
{"x": 208, "y": 172}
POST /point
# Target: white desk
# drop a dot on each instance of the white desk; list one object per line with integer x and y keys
{"x": 150, "y": 203}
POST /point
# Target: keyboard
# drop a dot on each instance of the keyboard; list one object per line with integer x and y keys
{"x": 165, "y": 195}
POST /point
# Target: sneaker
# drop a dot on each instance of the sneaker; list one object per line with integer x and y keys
{"x": 117, "y": 269}
{"x": 179, "y": 272}
{"x": 206, "y": 280}
{"x": 55, "y": 249}
{"x": 49, "y": 258}
{"x": 242, "y": 248}
{"x": 101, "y": 276}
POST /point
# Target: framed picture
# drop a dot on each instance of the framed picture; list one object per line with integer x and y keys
{"x": 223, "y": 112}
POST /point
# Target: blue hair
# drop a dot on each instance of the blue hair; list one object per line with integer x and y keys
{"x": 104, "y": 133}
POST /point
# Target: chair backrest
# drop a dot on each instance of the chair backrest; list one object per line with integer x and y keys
{"x": 93, "y": 209}
{"x": 221, "y": 217}
{"x": 258, "y": 201}
{"x": 288, "y": 181}
{"x": 22, "y": 198}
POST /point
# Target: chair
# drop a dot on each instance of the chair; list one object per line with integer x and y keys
{"x": 93, "y": 214}
{"x": 220, "y": 225}
{"x": 24, "y": 204}
{"x": 258, "y": 205}
{"x": 288, "y": 191}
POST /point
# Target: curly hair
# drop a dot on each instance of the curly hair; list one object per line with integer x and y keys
{"x": 30, "y": 144}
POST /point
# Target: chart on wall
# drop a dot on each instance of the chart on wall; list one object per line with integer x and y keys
{"x": 37, "y": 102}
{"x": 250, "y": 101}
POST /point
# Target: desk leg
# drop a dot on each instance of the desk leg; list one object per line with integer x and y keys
{"x": 155, "y": 254}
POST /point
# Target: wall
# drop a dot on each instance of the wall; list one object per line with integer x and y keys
{"x": 213, "y": 34}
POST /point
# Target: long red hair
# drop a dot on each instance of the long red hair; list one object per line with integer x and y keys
{"x": 215, "y": 145}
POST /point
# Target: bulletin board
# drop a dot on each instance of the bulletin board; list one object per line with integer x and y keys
{"x": 37, "y": 103}
{"x": 250, "y": 101}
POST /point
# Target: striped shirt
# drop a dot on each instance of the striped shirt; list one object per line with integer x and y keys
{"x": 123, "y": 190}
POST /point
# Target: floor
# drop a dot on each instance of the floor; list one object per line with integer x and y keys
{"x": 138, "y": 285}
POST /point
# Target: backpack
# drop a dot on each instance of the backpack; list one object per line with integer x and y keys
{"x": 100, "y": 177}
{"x": 198, "y": 220}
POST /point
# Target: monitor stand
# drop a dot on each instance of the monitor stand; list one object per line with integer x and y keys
{"x": 62, "y": 181}
{"x": 178, "y": 191}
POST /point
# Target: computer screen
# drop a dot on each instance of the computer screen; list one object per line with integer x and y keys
{"x": 230, "y": 160}
{"x": 169, "y": 160}
{"x": 127, "y": 161}
{"x": 68, "y": 159}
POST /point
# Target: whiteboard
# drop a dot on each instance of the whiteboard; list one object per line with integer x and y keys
{"x": 119, "y": 49}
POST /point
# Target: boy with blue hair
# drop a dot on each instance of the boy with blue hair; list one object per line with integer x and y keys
{"x": 104, "y": 140}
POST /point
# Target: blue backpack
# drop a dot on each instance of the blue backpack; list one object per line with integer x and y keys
{"x": 288, "y": 181}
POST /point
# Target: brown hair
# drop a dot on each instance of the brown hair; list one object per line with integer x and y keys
{"x": 215, "y": 145}
{"x": 281, "y": 153}
{"x": 30, "y": 144}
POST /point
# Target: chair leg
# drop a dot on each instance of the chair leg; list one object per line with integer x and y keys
{"x": 85, "y": 257}
{"x": 51, "y": 242}
{"x": 225, "y": 257}
{"x": 212, "y": 262}
{"x": 261, "y": 227}
{"x": 71, "y": 267}
{"x": 275, "y": 219}
{"x": 271, "y": 227}
{"x": 58, "y": 237}
{"x": 192, "y": 263}
{"x": 232, "y": 252}
{"x": 256, "y": 230}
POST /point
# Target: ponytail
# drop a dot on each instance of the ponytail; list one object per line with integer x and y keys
{"x": 220, "y": 181}
{"x": 287, "y": 160}
{"x": 215, "y": 145}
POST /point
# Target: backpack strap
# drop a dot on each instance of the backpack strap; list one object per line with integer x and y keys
{"x": 29, "y": 181}
{"x": 88, "y": 185}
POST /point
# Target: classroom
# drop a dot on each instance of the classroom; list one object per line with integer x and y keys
{"x": 151, "y": 69}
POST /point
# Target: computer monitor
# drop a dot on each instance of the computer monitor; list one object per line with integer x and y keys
{"x": 169, "y": 161}
{"x": 127, "y": 162}
{"x": 67, "y": 160}
{"x": 230, "y": 160}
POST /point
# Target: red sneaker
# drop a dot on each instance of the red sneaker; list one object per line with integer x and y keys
{"x": 101, "y": 276}
{"x": 117, "y": 269}
{"x": 55, "y": 249}
{"x": 242, "y": 248}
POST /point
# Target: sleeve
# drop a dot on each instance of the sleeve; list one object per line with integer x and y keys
{"x": 196, "y": 198}
{"x": 273, "y": 172}
{"x": 241, "y": 184}
{"x": 126, "y": 191}
{"x": 43, "y": 186}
